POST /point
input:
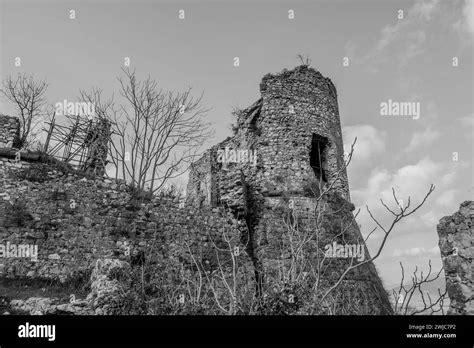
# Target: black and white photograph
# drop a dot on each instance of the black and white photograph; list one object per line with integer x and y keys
{"x": 238, "y": 166}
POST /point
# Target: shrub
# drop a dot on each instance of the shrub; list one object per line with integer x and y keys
{"x": 17, "y": 214}
{"x": 137, "y": 197}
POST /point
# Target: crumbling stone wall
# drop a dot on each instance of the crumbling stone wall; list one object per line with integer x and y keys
{"x": 295, "y": 105}
{"x": 97, "y": 143}
{"x": 362, "y": 286}
{"x": 200, "y": 183}
{"x": 9, "y": 131}
{"x": 297, "y": 109}
{"x": 456, "y": 243}
{"x": 279, "y": 127}
{"x": 75, "y": 220}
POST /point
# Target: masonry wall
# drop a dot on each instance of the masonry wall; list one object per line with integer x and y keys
{"x": 36, "y": 209}
{"x": 279, "y": 128}
{"x": 199, "y": 187}
{"x": 297, "y": 104}
{"x": 456, "y": 243}
{"x": 273, "y": 238}
{"x": 97, "y": 144}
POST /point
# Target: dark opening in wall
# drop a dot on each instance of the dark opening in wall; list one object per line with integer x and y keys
{"x": 318, "y": 156}
{"x": 253, "y": 122}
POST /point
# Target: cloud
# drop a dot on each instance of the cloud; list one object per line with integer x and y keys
{"x": 370, "y": 142}
{"x": 468, "y": 13}
{"x": 466, "y": 23}
{"x": 414, "y": 46}
{"x": 408, "y": 179}
{"x": 421, "y": 11}
{"x": 412, "y": 181}
{"x": 416, "y": 251}
{"x": 429, "y": 218}
{"x": 388, "y": 35}
{"x": 423, "y": 138}
{"x": 447, "y": 198}
{"x": 424, "y": 10}
{"x": 406, "y": 38}
{"x": 350, "y": 49}
{"x": 463, "y": 24}
{"x": 467, "y": 121}
{"x": 430, "y": 113}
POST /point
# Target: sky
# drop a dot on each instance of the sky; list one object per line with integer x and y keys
{"x": 404, "y": 56}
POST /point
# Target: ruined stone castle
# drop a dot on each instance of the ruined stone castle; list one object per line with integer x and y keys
{"x": 285, "y": 159}
{"x": 294, "y": 131}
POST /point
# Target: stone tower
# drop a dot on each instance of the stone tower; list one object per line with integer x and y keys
{"x": 300, "y": 121}
{"x": 295, "y": 132}
{"x": 286, "y": 147}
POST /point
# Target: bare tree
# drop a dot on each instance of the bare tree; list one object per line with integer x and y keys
{"x": 222, "y": 286}
{"x": 42, "y": 128}
{"x": 29, "y": 98}
{"x": 304, "y": 60}
{"x": 155, "y": 134}
{"x": 301, "y": 268}
{"x": 227, "y": 287}
{"x": 304, "y": 264}
{"x": 405, "y": 293}
{"x": 398, "y": 216}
